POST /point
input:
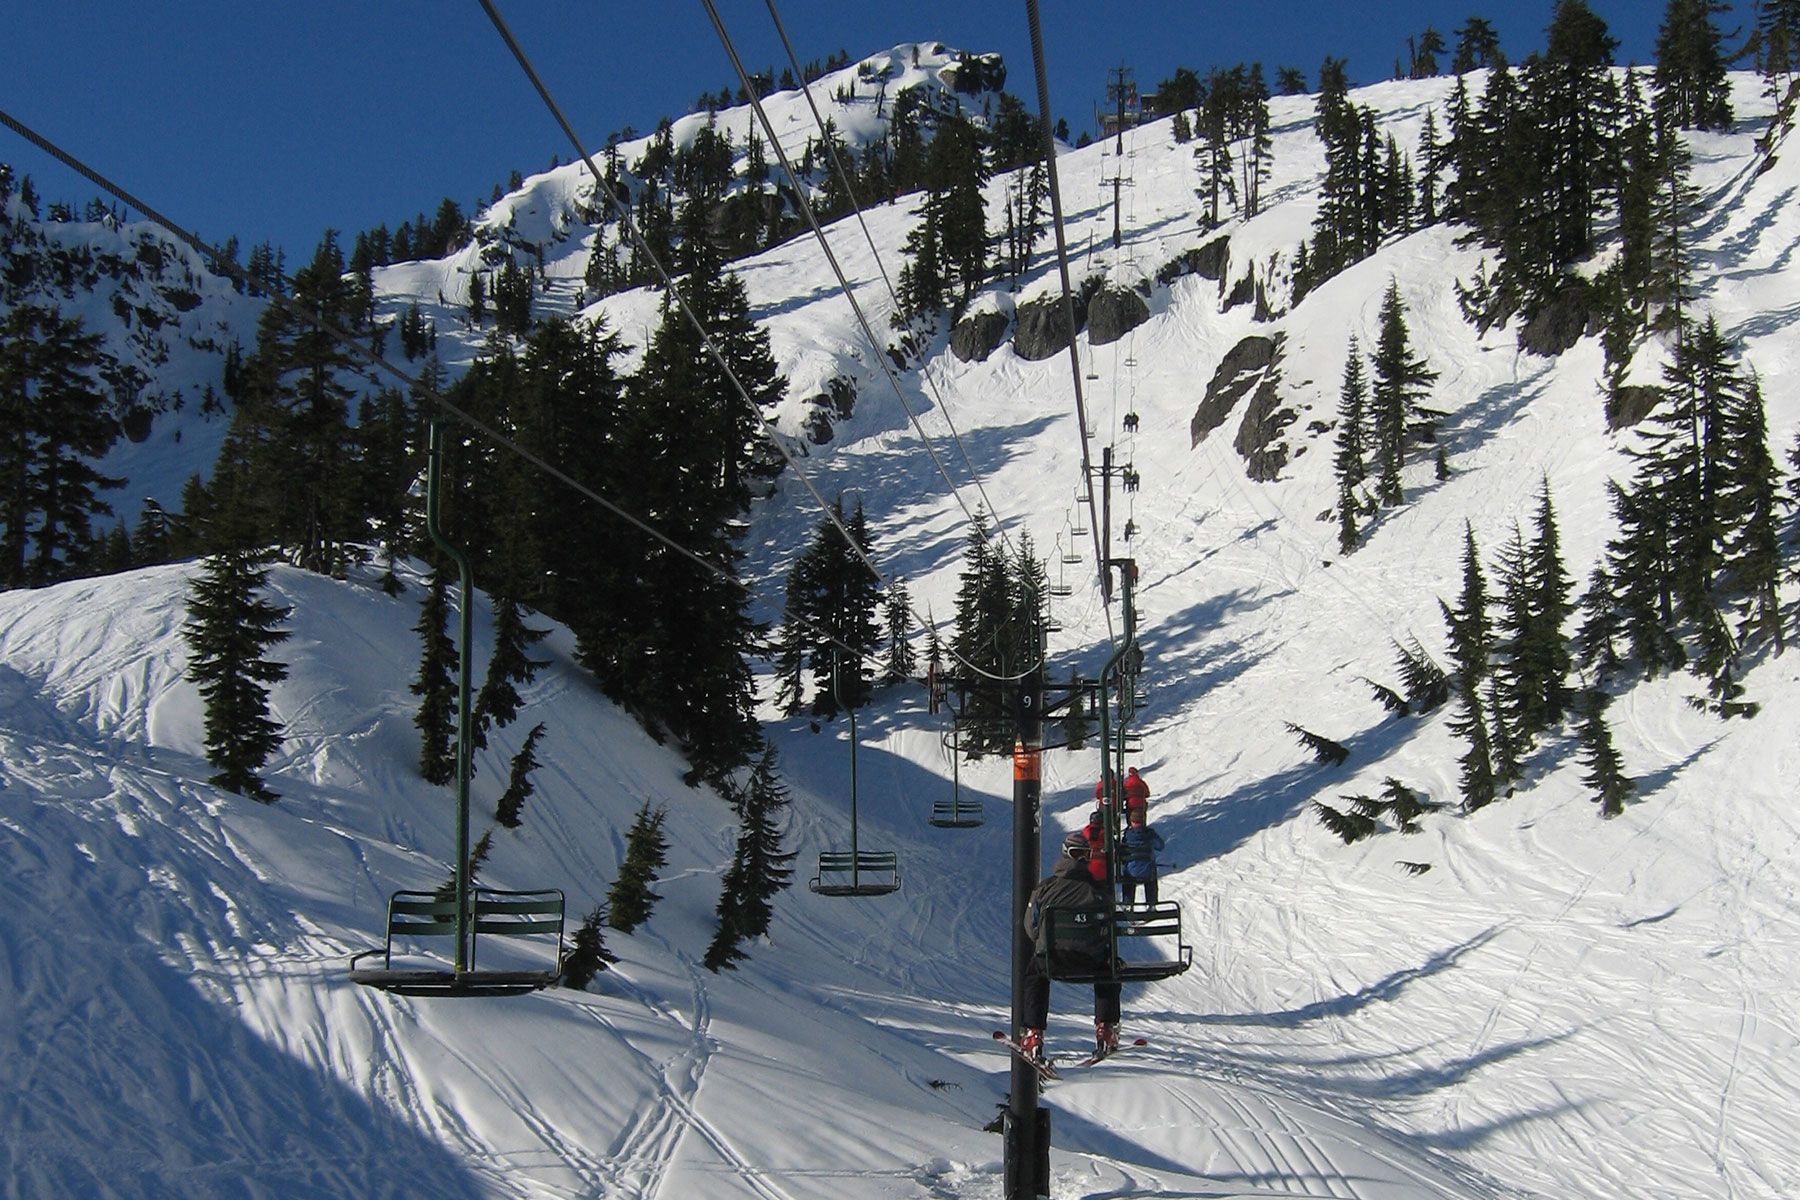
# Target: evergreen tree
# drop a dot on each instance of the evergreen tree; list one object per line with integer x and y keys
{"x": 296, "y": 485}
{"x": 687, "y": 441}
{"x": 1692, "y": 88}
{"x": 1750, "y": 561}
{"x": 1352, "y": 442}
{"x": 1546, "y": 649}
{"x": 1639, "y": 562}
{"x": 1596, "y": 640}
{"x": 54, "y": 423}
{"x": 589, "y": 955}
{"x": 1471, "y": 640}
{"x": 831, "y": 599}
{"x": 902, "y": 660}
{"x": 518, "y": 781}
{"x": 983, "y": 605}
{"x": 1077, "y": 725}
{"x": 1477, "y": 45}
{"x": 629, "y": 903}
{"x": 1605, "y": 769}
{"x": 229, "y": 629}
{"x": 436, "y": 684}
{"x": 1401, "y": 381}
{"x": 759, "y": 868}
{"x": 497, "y": 702}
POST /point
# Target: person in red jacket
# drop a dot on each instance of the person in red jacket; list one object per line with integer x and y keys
{"x": 1137, "y": 792}
{"x": 1095, "y": 833}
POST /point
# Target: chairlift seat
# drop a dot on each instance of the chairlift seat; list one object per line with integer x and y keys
{"x": 956, "y": 814}
{"x": 492, "y": 913}
{"x": 1068, "y": 928}
{"x": 857, "y": 873}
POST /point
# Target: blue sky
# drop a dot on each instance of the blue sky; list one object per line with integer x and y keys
{"x": 274, "y": 121}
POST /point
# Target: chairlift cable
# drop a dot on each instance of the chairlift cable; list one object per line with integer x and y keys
{"x": 1062, "y": 263}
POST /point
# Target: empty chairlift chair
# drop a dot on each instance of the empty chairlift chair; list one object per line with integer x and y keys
{"x": 464, "y": 913}
{"x": 855, "y": 872}
{"x": 958, "y": 812}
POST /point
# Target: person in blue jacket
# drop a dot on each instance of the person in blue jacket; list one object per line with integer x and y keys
{"x": 1138, "y": 845}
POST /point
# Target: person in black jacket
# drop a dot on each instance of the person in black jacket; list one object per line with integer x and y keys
{"x": 1082, "y": 946}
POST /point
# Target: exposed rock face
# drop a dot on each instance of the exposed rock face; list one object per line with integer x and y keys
{"x": 1629, "y": 405}
{"x": 1236, "y": 377}
{"x": 978, "y": 335}
{"x": 1042, "y": 330}
{"x": 1208, "y": 262}
{"x": 1556, "y": 327}
{"x": 1113, "y": 313}
{"x": 1259, "y": 436}
{"x": 1251, "y": 369}
{"x": 1242, "y": 293}
{"x": 834, "y": 404}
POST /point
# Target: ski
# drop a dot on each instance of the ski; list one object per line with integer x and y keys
{"x": 1100, "y": 1056}
{"x": 1045, "y": 1069}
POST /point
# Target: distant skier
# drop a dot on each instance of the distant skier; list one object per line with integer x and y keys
{"x": 1137, "y": 847}
{"x": 1082, "y": 946}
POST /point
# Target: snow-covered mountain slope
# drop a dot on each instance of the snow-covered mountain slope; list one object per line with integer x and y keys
{"x": 165, "y": 320}
{"x": 1559, "y": 1006}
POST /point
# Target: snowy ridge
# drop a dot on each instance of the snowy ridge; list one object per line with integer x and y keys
{"x": 1559, "y": 1007}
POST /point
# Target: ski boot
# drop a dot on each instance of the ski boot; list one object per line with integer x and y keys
{"x": 1031, "y": 1041}
{"x": 1106, "y": 1038}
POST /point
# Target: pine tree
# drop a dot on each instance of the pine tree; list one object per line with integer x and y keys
{"x": 902, "y": 661}
{"x": 1546, "y": 647}
{"x": 54, "y": 424}
{"x": 1692, "y": 87}
{"x": 983, "y": 605}
{"x": 1471, "y": 640}
{"x": 1639, "y": 565}
{"x": 1605, "y": 769}
{"x": 1401, "y": 381}
{"x": 1324, "y": 749}
{"x": 589, "y": 955}
{"x": 759, "y": 868}
{"x": 229, "y": 628}
{"x": 831, "y": 598}
{"x": 1596, "y": 640}
{"x": 1750, "y": 565}
{"x": 518, "y": 781}
{"x": 497, "y": 703}
{"x": 289, "y": 474}
{"x": 629, "y": 903}
{"x": 436, "y": 683}
{"x": 1477, "y": 45}
{"x": 687, "y": 443}
{"x": 1352, "y": 440}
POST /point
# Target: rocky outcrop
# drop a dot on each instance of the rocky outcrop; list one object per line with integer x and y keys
{"x": 1236, "y": 377}
{"x": 1259, "y": 435}
{"x": 1113, "y": 313}
{"x": 1629, "y": 405}
{"x": 1043, "y": 332}
{"x": 1208, "y": 262}
{"x": 1253, "y": 370}
{"x": 1556, "y": 326}
{"x": 825, "y": 410}
{"x": 978, "y": 335}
